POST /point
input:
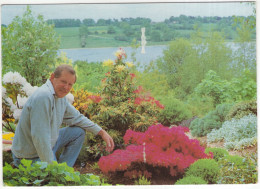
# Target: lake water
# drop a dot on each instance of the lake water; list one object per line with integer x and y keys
{"x": 101, "y": 54}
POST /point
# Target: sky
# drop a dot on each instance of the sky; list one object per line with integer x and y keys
{"x": 154, "y": 10}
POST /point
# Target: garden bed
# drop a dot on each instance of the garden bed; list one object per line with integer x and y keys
{"x": 159, "y": 179}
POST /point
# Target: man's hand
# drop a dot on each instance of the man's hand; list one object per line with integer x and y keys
{"x": 108, "y": 139}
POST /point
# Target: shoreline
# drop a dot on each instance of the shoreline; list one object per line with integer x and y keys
{"x": 132, "y": 47}
{"x": 111, "y": 47}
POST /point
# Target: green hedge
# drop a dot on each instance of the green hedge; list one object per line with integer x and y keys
{"x": 174, "y": 112}
{"x": 207, "y": 169}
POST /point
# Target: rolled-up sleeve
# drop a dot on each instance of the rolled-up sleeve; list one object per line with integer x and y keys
{"x": 73, "y": 117}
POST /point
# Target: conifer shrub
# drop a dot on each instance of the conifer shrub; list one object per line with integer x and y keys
{"x": 191, "y": 180}
{"x": 236, "y": 160}
{"x": 213, "y": 120}
{"x": 174, "y": 112}
{"x": 218, "y": 153}
{"x": 242, "y": 109}
{"x": 208, "y": 169}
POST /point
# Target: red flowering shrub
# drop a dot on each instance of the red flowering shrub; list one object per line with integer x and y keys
{"x": 159, "y": 147}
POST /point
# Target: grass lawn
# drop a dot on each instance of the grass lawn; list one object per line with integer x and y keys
{"x": 98, "y": 36}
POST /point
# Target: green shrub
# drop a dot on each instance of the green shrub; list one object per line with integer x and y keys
{"x": 242, "y": 109}
{"x": 214, "y": 86}
{"x": 238, "y": 170}
{"x": 142, "y": 181}
{"x": 43, "y": 174}
{"x": 213, "y": 120}
{"x": 89, "y": 75}
{"x": 218, "y": 153}
{"x": 235, "y": 160}
{"x": 207, "y": 169}
{"x": 190, "y": 180}
{"x": 200, "y": 106}
{"x": 174, "y": 112}
{"x": 7, "y": 157}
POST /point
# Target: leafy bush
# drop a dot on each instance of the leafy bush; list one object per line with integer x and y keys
{"x": 223, "y": 91}
{"x": 244, "y": 87}
{"x": 215, "y": 87}
{"x": 159, "y": 148}
{"x": 89, "y": 75}
{"x": 124, "y": 105}
{"x": 242, "y": 109}
{"x": 213, "y": 120}
{"x": 7, "y": 157}
{"x": 238, "y": 170}
{"x": 207, "y": 169}
{"x": 84, "y": 99}
{"x": 191, "y": 180}
{"x": 142, "y": 181}
{"x": 235, "y": 159}
{"x": 236, "y": 133}
{"x": 174, "y": 112}
{"x": 43, "y": 174}
{"x": 218, "y": 153}
{"x": 200, "y": 106}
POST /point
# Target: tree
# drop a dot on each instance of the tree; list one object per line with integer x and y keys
{"x": 174, "y": 57}
{"x": 111, "y": 30}
{"x": 29, "y": 46}
{"x": 245, "y": 28}
{"x": 89, "y": 22}
{"x": 83, "y": 34}
{"x": 156, "y": 36}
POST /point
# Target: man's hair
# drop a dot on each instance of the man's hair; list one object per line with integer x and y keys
{"x": 64, "y": 67}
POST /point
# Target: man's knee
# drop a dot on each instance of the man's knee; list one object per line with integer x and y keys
{"x": 79, "y": 131}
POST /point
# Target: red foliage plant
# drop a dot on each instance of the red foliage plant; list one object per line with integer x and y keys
{"x": 158, "y": 146}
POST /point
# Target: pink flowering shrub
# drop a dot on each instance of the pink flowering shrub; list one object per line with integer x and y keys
{"x": 158, "y": 147}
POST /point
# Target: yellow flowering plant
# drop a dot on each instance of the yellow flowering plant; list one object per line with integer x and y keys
{"x": 8, "y": 136}
{"x": 85, "y": 101}
{"x": 124, "y": 105}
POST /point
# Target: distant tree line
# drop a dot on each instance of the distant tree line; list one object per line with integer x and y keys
{"x": 62, "y": 23}
{"x": 182, "y": 19}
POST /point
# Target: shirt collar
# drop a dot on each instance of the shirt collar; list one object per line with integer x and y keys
{"x": 50, "y": 86}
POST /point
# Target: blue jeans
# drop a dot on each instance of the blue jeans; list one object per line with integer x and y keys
{"x": 71, "y": 139}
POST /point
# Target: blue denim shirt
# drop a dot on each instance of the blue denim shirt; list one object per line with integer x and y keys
{"x": 38, "y": 128}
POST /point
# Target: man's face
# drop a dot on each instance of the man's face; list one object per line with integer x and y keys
{"x": 63, "y": 84}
